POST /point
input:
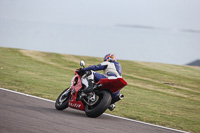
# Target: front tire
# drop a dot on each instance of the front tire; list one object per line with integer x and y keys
{"x": 100, "y": 107}
{"x": 63, "y": 99}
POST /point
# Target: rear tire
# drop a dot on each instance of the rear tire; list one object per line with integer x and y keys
{"x": 100, "y": 107}
{"x": 63, "y": 100}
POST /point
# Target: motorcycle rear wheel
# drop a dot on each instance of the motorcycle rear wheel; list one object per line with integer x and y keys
{"x": 100, "y": 107}
{"x": 63, "y": 100}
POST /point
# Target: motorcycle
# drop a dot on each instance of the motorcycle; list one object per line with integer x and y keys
{"x": 94, "y": 103}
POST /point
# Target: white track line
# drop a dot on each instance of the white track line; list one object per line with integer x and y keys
{"x": 104, "y": 113}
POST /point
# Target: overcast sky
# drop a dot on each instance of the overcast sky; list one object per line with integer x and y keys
{"x": 172, "y": 16}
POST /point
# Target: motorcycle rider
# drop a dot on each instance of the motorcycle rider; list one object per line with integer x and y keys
{"x": 111, "y": 68}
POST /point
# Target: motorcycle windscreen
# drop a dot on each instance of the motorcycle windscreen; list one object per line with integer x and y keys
{"x": 112, "y": 84}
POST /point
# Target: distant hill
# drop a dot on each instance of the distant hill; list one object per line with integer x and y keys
{"x": 194, "y": 63}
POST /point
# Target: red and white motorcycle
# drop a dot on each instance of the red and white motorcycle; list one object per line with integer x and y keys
{"x": 94, "y": 103}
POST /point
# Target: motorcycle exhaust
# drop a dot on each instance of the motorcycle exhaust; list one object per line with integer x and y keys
{"x": 116, "y": 99}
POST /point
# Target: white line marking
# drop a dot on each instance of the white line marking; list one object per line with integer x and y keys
{"x": 27, "y": 95}
{"x": 104, "y": 113}
{"x": 146, "y": 123}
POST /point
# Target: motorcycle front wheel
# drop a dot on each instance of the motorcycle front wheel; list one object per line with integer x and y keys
{"x": 100, "y": 107}
{"x": 63, "y": 100}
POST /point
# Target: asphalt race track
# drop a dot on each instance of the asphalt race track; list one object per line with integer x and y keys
{"x": 25, "y": 114}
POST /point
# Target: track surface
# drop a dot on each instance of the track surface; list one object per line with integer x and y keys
{"x": 19, "y": 114}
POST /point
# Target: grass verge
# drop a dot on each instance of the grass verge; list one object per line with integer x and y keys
{"x": 162, "y": 94}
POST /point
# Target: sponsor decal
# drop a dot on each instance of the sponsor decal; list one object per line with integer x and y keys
{"x": 75, "y": 105}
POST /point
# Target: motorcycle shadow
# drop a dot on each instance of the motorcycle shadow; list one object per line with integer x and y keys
{"x": 54, "y": 112}
{"x": 77, "y": 114}
{"x": 72, "y": 112}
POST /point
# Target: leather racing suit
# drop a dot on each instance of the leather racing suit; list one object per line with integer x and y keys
{"x": 111, "y": 69}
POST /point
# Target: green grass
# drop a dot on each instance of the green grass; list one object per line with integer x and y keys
{"x": 163, "y": 94}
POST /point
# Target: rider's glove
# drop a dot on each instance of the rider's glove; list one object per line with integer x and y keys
{"x": 80, "y": 71}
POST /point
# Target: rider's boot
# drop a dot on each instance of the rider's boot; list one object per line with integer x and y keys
{"x": 111, "y": 107}
{"x": 90, "y": 86}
